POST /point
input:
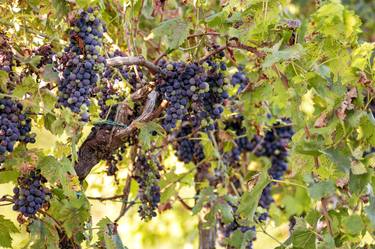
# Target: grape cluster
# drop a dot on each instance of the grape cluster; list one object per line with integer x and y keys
{"x": 242, "y": 143}
{"x": 181, "y": 84}
{"x": 214, "y": 98}
{"x": 30, "y": 195}
{"x": 147, "y": 178}
{"x": 193, "y": 91}
{"x": 188, "y": 146}
{"x": 6, "y": 54}
{"x": 80, "y": 74}
{"x": 14, "y": 126}
{"x": 273, "y": 146}
{"x": 113, "y": 160}
{"x": 239, "y": 78}
{"x": 111, "y": 82}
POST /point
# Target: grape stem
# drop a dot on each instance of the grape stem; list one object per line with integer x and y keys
{"x": 183, "y": 203}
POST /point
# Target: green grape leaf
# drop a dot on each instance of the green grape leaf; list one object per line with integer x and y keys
{"x": 112, "y": 239}
{"x": 353, "y": 224}
{"x": 73, "y": 213}
{"x": 322, "y": 189}
{"x": 43, "y": 234}
{"x": 216, "y": 19}
{"x": 3, "y": 80}
{"x": 6, "y": 228}
{"x": 303, "y": 238}
{"x": 240, "y": 240}
{"x": 249, "y": 200}
{"x": 291, "y": 53}
{"x": 61, "y": 8}
{"x": 49, "y": 100}
{"x": 174, "y": 31}
{"x": 28, "y": 85}
{"x": 8, "y": 176}
{"x": 102, "y": 224}
{"x": 205, "y": 195}
{"x": 146, "y": 133}
{"x": 226, "y": 211}
{"x": 327, "y": 243}
{"x": 357, "y": 183}
{"x": 340, "y": 158}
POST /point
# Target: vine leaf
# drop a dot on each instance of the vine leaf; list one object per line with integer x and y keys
{"x": 50, "y": 75}
{"x": 6, "y": 227}
{"x": 341, "y": 159}
{"x": 291, "y": 53}
{"x": 73, "y": 212}
{"x": 321, "y": 189}
{"x": 226, "y": 212}
{"x": 174, "y": 31}
{"x": 3, "y": 80}
{"x": 28, "y": 85}
{"x": 8, "y": 176}
{"x": 108, "y": 235}
{"x": 111, "y": 238}
{"x": 249, "y": 200}
{"x": 146, "y": 133}
{"x": 204, "y": 196}
{"x": 57, "y": 172}
{"x": 352, "y": 224}
{"x": 327, "y": 243}
{"x": 241, "y": 240}
{"x": 43, "y": 234}
{"x": 302, "y": 237}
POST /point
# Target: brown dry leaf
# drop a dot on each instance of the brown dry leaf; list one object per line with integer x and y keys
{"x": 347, "y": 103}
{"x": 26, "y": 168}
{"x": 224, "y": 136}
{"x": 164, "y": 207}
{"x": 321, "y": 121}
{"x": 342, "y": 182}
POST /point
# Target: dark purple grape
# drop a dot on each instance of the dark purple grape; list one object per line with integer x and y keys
{"x": 147, "y": 178}
{"x": 81, "y": 69}
{"x": 30, "y": 195}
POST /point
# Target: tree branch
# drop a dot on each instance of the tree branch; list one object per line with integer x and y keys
{"x": 133, "y": 60}
{"x": 103, "y": 142}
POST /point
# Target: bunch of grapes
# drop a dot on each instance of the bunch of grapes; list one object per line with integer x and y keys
{"x": 84, "y": 63}
{"x": 30, "y": 195}
{"x": 14, "y": 126}
{"x": 239, "y": 78}
{"x": 214, "y": 98}
{"x": 274, "y": 146}
{"x": 113, "y": 160}
{"x": 242, "y": 143}
{"x": 113, "y": 78}
{"x": 147, "y": 178}
{"x": 6, "y": 54}
{"x": 193, "y": 91}
{"x": 181, "y": 84}
{"x": 188, "y": 146}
